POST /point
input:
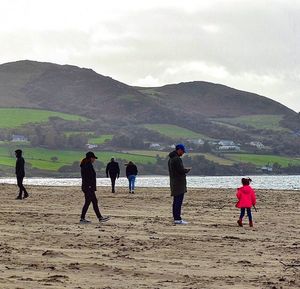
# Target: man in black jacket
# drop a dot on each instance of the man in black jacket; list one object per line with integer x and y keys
{"x": 113, "y": 171}
{"x": 177, "y": 174}
{"x": 89, "y": 187}
{"x": 20, "y": 173}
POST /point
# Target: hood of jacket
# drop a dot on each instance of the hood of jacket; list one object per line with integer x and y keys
{"x": 173, "y": 154}
{"x": 84, "y": 162}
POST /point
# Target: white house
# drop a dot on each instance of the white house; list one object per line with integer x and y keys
{"x": 19, "y": 138}
{"x": 91, "y": 146}
{"x": 257, "y": 144}
{"x": 156, "y": 146}
{"x": 196, "y": 141}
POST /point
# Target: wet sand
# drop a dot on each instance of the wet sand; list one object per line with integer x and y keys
{"x": 42, "y": 244}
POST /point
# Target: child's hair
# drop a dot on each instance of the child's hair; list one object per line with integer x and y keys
{"x": 246, "y": 181}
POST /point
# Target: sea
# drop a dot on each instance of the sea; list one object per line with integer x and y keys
{"x": 272, "y": 182}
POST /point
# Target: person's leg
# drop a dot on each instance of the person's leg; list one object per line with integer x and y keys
{"x": 242, "y": 213}
{"x": 86, "y": 204}
{"x": 113, "y": 182}
{"x": 129, "y": 183}
{"x": 133, "y": 182}
{"x": 95, "y": 205}
{"x": 249, "y": 214}
{"x": 20, "y": 185}
{"x": 177, "y": 203}
{"x": 240, "y": 220}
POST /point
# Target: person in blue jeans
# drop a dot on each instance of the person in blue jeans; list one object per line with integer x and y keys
{"x": 131, "y": 173}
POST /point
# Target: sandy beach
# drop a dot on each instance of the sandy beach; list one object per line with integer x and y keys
{"x": 42, "y": 244}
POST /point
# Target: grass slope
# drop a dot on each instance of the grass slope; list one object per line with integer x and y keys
{"x": 101, "y": 139}
{"x": 15, "y": 117}
{"x": 261, "y": 160}
{"x": 260, "y": 121}
{"x": 161, "y": 154}
{"x": 175, "y": 131}
{"x": 41, "y": 158}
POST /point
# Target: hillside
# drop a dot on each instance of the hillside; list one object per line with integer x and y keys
{"x": 82, "y": 91}
{"x": 65, "y": 110}
{"x": 70, "y": 89}
{"x": 215, "y": 100}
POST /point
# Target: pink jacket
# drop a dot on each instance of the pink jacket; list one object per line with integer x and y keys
{"x": 246, "y": 197}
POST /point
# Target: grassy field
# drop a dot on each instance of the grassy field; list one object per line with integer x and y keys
{"x": 15, "y": 117}
{"x": 261, "y": 160}
{"x": 101, "y": 139}
{"x": 69, "y": 133}
{"x": 175, "y": 132}
{"x": 40, "y": 158}
{"x": 260, "y": 121}
{"x": 161, "y": 154}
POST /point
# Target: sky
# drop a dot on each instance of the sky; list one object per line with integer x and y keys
{"x": 251, "y": 45}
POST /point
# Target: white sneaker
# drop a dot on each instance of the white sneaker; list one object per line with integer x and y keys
{"x": 84, "y": 221}
{"x": 180, "y": 222}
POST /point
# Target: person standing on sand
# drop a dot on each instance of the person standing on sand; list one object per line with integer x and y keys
{"x": 20, "y": 173}
{"x": 89, "y": 187}
{"x": 177, "y": 174}
{"x": 113, "y": 171}
{"x": 131, "y": 173}
{"x": 246, "y": 199}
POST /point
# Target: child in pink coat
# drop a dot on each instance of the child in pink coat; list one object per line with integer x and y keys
{"x": 246, "y": 199}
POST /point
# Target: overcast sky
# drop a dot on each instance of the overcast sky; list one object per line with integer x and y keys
{"x": 251, "y": 45}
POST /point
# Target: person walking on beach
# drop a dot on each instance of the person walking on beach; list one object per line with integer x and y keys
{"x": 177, "y": 174}
{"x": 89, "y": 188}
{"x": 20, "y": 173}
{"x": 131, "y": 173}
{"x": 113, "y": 171}
{"x": 246, "y": 199}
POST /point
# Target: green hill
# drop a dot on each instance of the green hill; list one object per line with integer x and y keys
{"x": 15, "y": 117}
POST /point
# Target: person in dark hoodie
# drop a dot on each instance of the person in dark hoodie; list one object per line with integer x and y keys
{"x": 131, "y": 173}
{"x": 20, "y": 173}
{"x": 89, "y": 187}
{"x": 178, "y": 188}
{"x": 113, "y": 171}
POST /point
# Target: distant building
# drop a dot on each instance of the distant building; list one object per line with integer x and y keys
{"x": 91, "y": 146}
{"x": 257, "y": 144}
{"x": 267, "y": 169}
{"x": 19, "y": 138}
{"x": 156, "y": 146}
{"x": 228, "y": 145}
{"x": 196, "y": 141}
{"x": 229, "y": 148}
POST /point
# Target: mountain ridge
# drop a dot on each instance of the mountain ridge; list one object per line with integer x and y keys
{"x": 72, "y": 89}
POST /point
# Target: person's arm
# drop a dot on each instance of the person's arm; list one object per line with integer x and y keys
{"x": 107, "y": 168}
{"x": 136, "y": 170}
{"x": 238, "y": 193}
{"x": 118, "y": 171}
{"x": 178, "y": 167}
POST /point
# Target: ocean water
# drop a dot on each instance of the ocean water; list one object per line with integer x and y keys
{"x": 258, "y": 182}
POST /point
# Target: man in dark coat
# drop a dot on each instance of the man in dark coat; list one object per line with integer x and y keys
{"x": 89, "y": 187}
{"x": 177, "y": 174}
{"x": 20, "y": 173}
{"x": 113, "y": 171}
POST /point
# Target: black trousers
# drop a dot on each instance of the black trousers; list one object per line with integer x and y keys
{"x": 90, "y": 197}
{"x": 113, "y": 182}
{"x": 21, "y": 186}
{"x": 177, "y": 203}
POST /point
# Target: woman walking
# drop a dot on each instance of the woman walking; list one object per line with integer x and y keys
{"x": 131, "y": 173}
{"x": 89, "y": 187}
